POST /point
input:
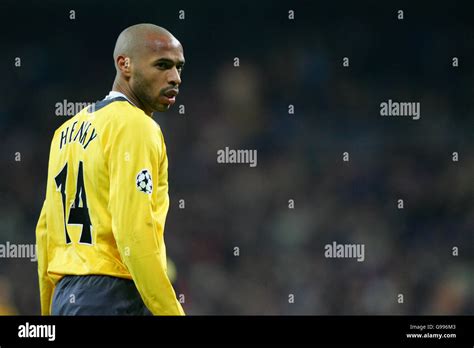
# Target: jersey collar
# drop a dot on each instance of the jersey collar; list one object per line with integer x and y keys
{"x": 115, "y": 94}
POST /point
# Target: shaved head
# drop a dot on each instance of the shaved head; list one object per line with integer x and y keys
{"x": 149, "y": 61}
{"x": 135, "y": 40}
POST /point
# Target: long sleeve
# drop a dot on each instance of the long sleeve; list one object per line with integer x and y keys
{"x": 46, "y": 286}
{"x": 138, "y": 204}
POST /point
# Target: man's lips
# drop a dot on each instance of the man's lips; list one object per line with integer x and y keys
{"x": 170, "y": 96}
{"x": 171, "y": 93}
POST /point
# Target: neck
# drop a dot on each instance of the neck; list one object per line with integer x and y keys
{"x": 124, "y": 88}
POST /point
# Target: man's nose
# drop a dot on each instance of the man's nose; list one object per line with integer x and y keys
{"x": 173, "y": 77}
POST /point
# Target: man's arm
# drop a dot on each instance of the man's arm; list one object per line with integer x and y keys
{"x": 46, "y": 286}
{"x": 137, "y": 215}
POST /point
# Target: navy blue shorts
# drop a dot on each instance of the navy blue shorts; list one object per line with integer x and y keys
{"x": 97, "y": 295}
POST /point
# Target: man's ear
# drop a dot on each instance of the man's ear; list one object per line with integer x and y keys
{"x": 124, "y": 65}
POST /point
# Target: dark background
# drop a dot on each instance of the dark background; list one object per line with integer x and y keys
{"x": 337, "y": 109}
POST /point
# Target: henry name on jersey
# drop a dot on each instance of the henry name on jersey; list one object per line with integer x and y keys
{"x": 70, "y": 134}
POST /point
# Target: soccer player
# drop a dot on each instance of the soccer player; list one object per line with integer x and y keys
{"x": 100, "y": 234}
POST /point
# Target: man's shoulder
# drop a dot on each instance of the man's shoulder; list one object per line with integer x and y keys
{"x": 113, "y": 112}
{"x": 120, "y": 112}
{"x": 112, "y": 117}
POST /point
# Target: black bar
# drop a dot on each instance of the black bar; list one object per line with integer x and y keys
{"x": 241, "y": 329}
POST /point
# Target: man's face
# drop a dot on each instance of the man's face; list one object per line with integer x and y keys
{"x": 156, "y": 74}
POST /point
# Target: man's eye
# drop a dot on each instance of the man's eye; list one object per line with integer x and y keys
{"x": 162, "y": 65}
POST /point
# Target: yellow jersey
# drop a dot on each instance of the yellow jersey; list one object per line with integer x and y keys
{"x": 106, "y": 204}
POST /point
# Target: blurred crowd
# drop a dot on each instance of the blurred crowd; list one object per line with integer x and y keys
{"x": 408, "y": 251}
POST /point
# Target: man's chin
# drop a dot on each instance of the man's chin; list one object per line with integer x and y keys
{"x": 162, "y": 107}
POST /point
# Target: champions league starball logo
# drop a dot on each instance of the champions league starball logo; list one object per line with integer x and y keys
{"x": 144, "y": 183}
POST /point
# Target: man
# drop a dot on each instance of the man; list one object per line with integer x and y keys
{"x": 100, "y": 234}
